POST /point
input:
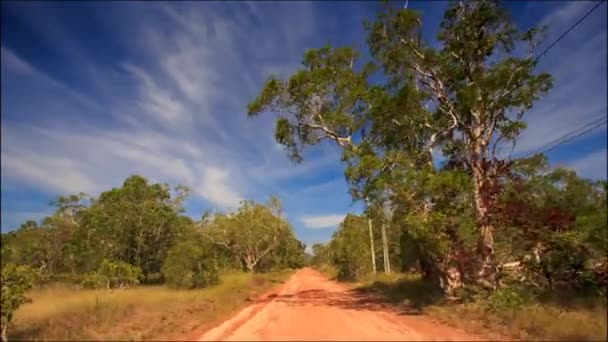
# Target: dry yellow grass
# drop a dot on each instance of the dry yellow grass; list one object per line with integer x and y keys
{"x": 143, "y": 313}
{"x": 583, "y": 321}
{"x": 540, "y": 322}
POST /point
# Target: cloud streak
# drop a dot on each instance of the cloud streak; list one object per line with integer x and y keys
{"x": 323, "y": 221}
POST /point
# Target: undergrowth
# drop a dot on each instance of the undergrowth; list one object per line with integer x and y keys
{"x": 514, "y": 312}
{"x": 62, "y": 312}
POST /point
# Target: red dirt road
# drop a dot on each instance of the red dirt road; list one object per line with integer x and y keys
{"x": 311, "y": 307}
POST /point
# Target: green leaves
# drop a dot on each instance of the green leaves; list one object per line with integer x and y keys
{"x": 136, "y": 223}
{"x": 113, "y": 275}
{"x": 254, "y": 234}
{"x": 325, "y": 100}
{"x": 270, "y": 90}
{"x": 16, "y": 281}
{"x": 191, "y": 264}
{"x": 350, "y": 248}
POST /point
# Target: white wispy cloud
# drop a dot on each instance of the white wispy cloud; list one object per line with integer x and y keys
{"x": 180, "y": 113}
{"x": 12, "y": 63}
{"x": 322, "y": 221}
{"x": 578, "y": 65}
{"x": 592, "y": 165}
{"x": 154, "y": 100}
{"x": 215, "y": 188}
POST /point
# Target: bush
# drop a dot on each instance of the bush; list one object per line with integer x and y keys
{"x": 93, "y": 281}
{"x": 16, "y": 281}
{"x": 112, "y": 275}
{"x": 189, "y": 265}
{"x": 507, "y": 299}
{"x": 154, "y": 278}
{"x": 120, "y": 274}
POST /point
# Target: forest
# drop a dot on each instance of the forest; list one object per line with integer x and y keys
{"x": 138, "y": 235}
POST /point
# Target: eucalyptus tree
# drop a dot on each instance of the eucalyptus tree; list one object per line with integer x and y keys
{"x": 466, "y": 97}
{"x": 479, "y": 88}
{"x": 252, "y": 232}
{"x": 136, "y": 223}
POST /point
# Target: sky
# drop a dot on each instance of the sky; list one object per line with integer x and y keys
{"x": 93, "y": 92}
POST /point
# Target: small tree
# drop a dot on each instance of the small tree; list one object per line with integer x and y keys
{"x": 350, "y": 248}
{"x": 190, "y": 265}
{"x": 16, "y": 281}
{"x": 112, "y": 275}
{"x": 252, "y": 233}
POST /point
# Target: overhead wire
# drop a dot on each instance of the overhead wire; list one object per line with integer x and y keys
{"x": 568, "y": 30}
{"x": 583, "y": 130}
{"x": 590, "y": 126}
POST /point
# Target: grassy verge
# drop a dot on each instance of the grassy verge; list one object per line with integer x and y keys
{"x": 573, "y": 320}
{"x": 328, "y": 270}
{"x": 143, "y": 313}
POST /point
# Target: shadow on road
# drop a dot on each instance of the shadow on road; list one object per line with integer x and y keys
{"x": 376, "y": 297}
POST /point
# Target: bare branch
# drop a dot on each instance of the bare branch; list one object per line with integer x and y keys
{"x": 416, "y": 51}
{"x": 342, "y": 141}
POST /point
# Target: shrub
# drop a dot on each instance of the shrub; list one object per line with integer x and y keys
{"x": 509, "y": 299}
{"x": 93, "y": 281}
{"x": 16, "y": 281}
{"x": 189, "y": 265}
{"x": 119, "y": 274}
{"x": 154, "y": 278}
{"x": 112, "y": 275}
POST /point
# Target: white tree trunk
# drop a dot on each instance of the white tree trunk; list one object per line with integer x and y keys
{"x": 487, "y": 271}
{"x": 371, "y": 245}
{"x": 385, "y": 254}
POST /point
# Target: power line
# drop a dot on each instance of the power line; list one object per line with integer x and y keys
{"x": 572, "y": 132}
{"x": 569, "y": 137}
{"x": 567, "y": 31}
{"x": 587, "y": 127}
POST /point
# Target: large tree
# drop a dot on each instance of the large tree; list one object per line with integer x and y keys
{"x": 467, "y": 96}
{"x": 349, "y": 246}
{"x": 252, "y": 233}
{"x": 136, "y": 223}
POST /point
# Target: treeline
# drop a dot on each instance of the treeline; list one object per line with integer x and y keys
{"x": 137, "y": 234}
{"x": 465, "y": 221}
{"x": 551, "y": 232}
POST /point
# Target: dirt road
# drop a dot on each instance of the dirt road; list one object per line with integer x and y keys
{"x": 311, "y": 307}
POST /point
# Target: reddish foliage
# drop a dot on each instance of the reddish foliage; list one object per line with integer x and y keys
{"x": 535, "y": 221}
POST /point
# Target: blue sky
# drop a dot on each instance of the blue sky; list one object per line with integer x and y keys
{"x": 94, "y": 92}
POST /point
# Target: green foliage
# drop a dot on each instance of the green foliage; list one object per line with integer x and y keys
{"x": 93, "y": 280}
{"x": 350, "y": 248}
{"x": 119, "y": 274}
{"x": 16, "y": 281}
{"x": 325, "y": 100}
{"x": 256, "y": 234}
{"x": 508, "y": 299}
{"x": 190, "y": 264}
{"x": 135, "y": 234}
{"x": 113, "y": 275}
{"x": 136, "y": 224}
{"x": 467, "y": 98}
{"x": 20, "y": 246}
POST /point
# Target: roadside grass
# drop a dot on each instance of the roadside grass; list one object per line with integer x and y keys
{"x": 402, "y": 289}
{"x": 62, "y": 312}
{"x": 328, "y": 270}
{"x": 563, "y": 318}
